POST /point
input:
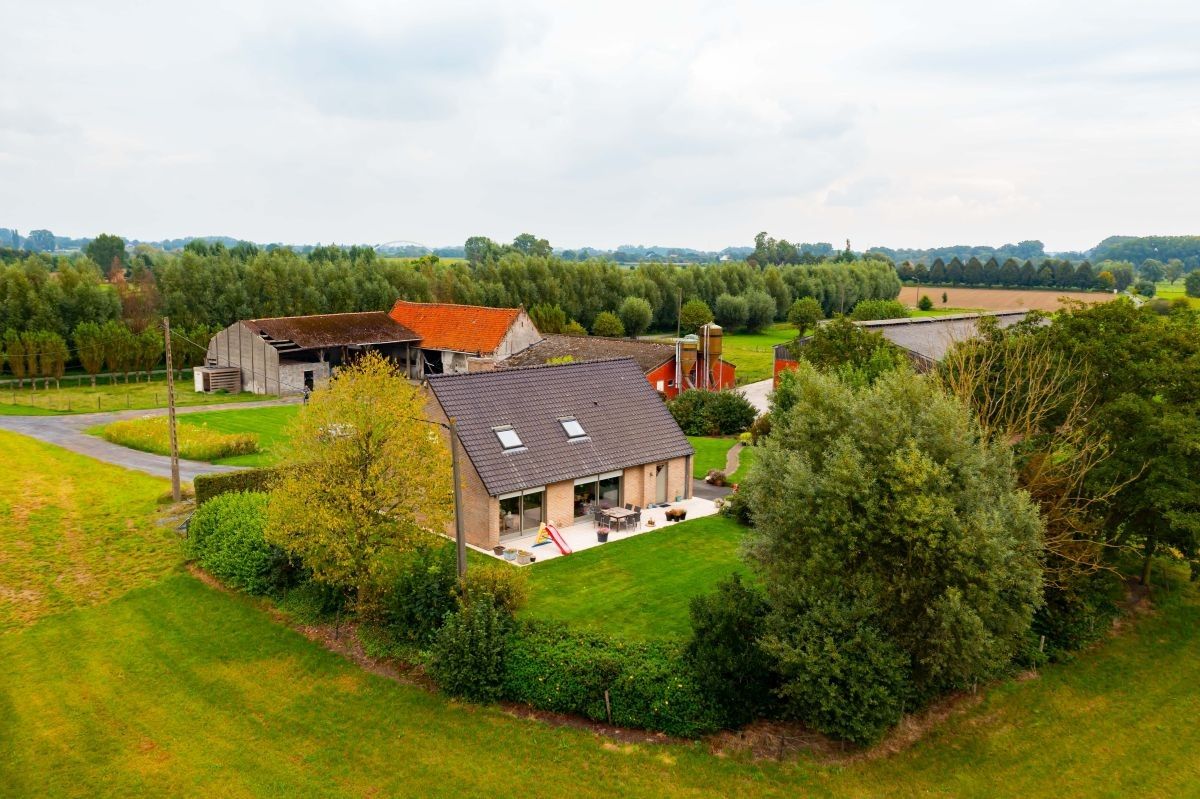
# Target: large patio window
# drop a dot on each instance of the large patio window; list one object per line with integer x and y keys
{"x": 521, "y": 512}
{"x": 599, "y": 489}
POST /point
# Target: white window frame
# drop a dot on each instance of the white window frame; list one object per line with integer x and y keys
{"x": 571, "y": 420}
{"x": 520, "y": 445}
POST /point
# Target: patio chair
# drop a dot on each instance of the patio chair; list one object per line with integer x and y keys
{"x": 599, "y": 517}
{"x": 636, "y": 518}
{"x": 628, "y": 506}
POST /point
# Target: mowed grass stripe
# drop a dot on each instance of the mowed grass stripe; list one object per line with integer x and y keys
{"x": 74, "y": 531}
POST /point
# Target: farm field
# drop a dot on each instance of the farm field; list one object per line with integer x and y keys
{"x": 1169, "y": 291}
{"x": 154, "y": 683}
{"x": 997, "y": 299}
{"x": 753, "y": 353}
{"x": 83, "y": 398}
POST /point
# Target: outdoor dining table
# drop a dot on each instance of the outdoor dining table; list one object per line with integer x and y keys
{"x": 617, "y": 515}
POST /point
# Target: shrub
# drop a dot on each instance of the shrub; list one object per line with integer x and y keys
{"x": 712, "y": 413}
{"x": 1191, "y": 283}
{"x": 555, "y": 668}
{"x": 226, "y": 538}
{"x": 424, "y": 591}
{"x": 731, "y": 311}
{"x": 841, "y": 675}
{"x": 1072, "y": 618}
{"x": 573, "y": 328}
{"x": 548, "y": 318}
{"x": 760, "y": 311}
{"x": 208, "y": 486}
{"x": 731, "y": 667}
{"x": 505, "y": 587}
{"x": 804, "y": 313}
{"x": 694, "y": 314}
{"x": 609, "y": 324}
{"x": 1146, "y": 288}
{"x": 760, "y": 429}
{"x": 925, "y": 304}
{"x": 866, "y": 310}
{"x": 197, "y": 443}
{"x": 636, "y": 315}
{"x": 468, "y": 654}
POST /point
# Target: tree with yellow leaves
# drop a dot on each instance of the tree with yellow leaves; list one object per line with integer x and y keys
{"x": 364, "y": 477}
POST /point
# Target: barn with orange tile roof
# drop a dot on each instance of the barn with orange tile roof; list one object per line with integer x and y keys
{"x": 465, "y": 338}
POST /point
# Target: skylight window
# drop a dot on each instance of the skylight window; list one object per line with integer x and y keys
{"x": 572, "y": 427}
{"x": 508, "y": 438}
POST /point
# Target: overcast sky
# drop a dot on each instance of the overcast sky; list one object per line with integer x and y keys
{"x": 691, "y": 124}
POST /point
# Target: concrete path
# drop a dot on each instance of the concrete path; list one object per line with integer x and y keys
{"x": 66, "y": 431}
{"x": 757, "y": 394}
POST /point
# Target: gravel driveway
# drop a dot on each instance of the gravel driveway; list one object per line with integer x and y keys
{"x": 67, "y": 432}
{"x": 757, "y": 393}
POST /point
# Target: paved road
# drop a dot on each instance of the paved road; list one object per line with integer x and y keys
{"x": 67, "y": 432}
{"x": 757, "y": 393}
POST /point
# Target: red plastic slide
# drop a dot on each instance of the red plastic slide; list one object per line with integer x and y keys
{"x": 558, "y": 540}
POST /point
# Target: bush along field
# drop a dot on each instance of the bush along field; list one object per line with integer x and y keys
{"x": 196, "y": 442}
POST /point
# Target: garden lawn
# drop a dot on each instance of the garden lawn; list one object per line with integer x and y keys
{"x": 641, "y": 586}
{"x": 160, "y": 685}
{"x": 746, "y": 458}
{"x": 710, "y": 454}
{"x": 83, "y": 398}
{"x": 267, "y": 423}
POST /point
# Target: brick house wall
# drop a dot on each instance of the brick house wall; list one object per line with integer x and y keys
{"x": 481, "y": 511}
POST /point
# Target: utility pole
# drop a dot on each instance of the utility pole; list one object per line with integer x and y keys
{"x": 175, "y": 494}
{"x": 460, "y": 538}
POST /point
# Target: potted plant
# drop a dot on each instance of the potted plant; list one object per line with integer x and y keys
{"x": 523, "y": 558}
{"x": 510, "y": 555}
{"x": 602, "y": 534}
{"x": 498, "y": 549}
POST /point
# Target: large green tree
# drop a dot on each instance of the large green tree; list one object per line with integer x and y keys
{"x": 363, "y": 479}
{"x": 107, "y": 251}
{"x": 899, "y": 556}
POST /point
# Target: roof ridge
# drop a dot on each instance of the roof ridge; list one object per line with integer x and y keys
{"x": 508, "y": 309}
{"x": 314, "y": 315}
{"x": 511, "y": 369}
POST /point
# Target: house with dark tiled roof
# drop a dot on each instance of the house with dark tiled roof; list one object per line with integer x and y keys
{"x": 286, "y": 355}
{"x": 464, "y": 338}
{"x": 553, "y": 443}
{"x": 668, "y": 366}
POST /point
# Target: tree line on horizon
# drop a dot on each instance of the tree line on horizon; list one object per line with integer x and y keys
{"x": 209, "y": 286}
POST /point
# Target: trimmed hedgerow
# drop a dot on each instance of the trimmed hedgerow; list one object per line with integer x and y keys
{"x": 555, "y": 668}
{"x": 226, "y": 538}
{"x": 208, "y": 486}
{"x": 468, "y": 654}
{"x": 424, "y": 592}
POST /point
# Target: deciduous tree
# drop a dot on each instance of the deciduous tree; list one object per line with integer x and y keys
{"x": 363, "y": 479}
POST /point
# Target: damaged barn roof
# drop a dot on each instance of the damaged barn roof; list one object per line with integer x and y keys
{"x": 333, "y": 330}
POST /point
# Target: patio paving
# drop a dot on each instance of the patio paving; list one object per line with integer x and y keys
{"x": 583, "y": 535}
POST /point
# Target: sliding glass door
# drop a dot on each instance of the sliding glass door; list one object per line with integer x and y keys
{"x": 522, "y": 513}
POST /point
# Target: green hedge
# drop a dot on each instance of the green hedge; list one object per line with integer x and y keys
{"x": 555, "y": 668}
{"x": 208, "y": 486}
{"x": 226, "y": 538}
